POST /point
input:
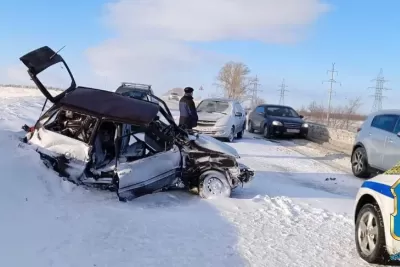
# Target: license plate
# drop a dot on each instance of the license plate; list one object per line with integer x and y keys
{"x": 293, "y": 130}
{"x": 204, "y": 129}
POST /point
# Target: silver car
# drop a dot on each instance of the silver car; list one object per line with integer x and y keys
{"x": 136, "y": 90}
{"x": 174, "y": 96}
{"x": 377, "y": 144}
{"x": 221, "y": 118}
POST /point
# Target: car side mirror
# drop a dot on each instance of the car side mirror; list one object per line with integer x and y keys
{"x": 301, "y": 116}
{"x": 238, "y": 114}
{"x": 398, "y": 134}
{"x": 261, "y": 113}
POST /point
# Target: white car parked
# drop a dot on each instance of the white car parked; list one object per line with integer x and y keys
{"x": 377, "y": 222}
{"x": 221, "y": 118}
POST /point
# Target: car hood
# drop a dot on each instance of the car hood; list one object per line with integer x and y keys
{"x": 287, "y": 119}
{"x": 207, "y": 116}
{"x": 210, "y": 143}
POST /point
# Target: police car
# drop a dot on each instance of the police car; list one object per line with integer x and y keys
{"x": 377, "y": 221}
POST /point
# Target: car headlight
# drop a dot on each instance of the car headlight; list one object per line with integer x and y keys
{"x": 305, "y": 125}
{"x": 234, "y": 171}
{"x": 277, "y": 123}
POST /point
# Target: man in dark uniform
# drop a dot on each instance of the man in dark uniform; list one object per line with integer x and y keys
{"x": 188, "y": 113}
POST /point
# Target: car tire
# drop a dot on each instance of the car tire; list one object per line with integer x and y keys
{"x": 231, "y": 136}
{"x": 265, "y": 132}
{"x": 359, "y": 163}
{"x": 241, "y": 133}
{"x": 214, "y": 184}
{"x": 378, "y": 254}
{"x": 250, "y": 127}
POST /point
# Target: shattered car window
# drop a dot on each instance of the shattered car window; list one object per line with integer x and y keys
{"x": 71, "y": 124}
{"x": 55, "y": 78}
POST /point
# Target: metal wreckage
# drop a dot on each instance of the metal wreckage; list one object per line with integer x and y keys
{"x": 102, "y": 139}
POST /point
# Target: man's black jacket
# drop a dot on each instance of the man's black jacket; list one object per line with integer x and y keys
{"x": 188, "y": 114}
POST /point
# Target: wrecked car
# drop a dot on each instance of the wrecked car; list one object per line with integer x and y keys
{"x": 98, "y": 138}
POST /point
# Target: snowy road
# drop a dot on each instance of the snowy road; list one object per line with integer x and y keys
{"x": 296, "y": 212}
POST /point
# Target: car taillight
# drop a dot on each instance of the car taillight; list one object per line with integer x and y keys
{"x": 358, "y": 129}
{"x": 31, "y": 129}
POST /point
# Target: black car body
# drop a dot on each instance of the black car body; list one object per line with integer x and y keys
{"x": 100, "y": 138}
{"x": 136, "y": 90}
{"x": 276, "y": 120}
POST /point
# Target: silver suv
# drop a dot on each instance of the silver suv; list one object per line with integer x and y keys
{"x": 136, "y": 90}
{"x": 377, "y": 144}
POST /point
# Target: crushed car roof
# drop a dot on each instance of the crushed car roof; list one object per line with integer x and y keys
{"x": 111, "y": 105}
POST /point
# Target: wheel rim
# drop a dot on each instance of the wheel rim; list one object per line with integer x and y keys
{"x": 367, "y": 233}
{"x": 358, "y": 163}
{"x": 231, "y": 136}
{"x": 213, "y": 187}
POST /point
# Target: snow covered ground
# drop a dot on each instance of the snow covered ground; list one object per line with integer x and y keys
{"x": 296, "y": 212}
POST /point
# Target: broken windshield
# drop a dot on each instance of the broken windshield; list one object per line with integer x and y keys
{"x": 214, "y": 106}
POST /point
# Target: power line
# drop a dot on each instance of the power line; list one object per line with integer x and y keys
{"x": 331, "y": 81}
{"x": 380, "y": 80}
{"x": 282, "y": 92}
{"x": 254, "y": 91}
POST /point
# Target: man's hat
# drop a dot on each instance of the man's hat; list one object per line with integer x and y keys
{"x": 188, "y": 90}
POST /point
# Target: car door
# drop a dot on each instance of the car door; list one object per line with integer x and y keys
{"x": 151, "y": 173}
{"x": 391, "y": 153}
{"x": 258, "y": 117}
{"x": 382, "y": 126}
{"x": 242, "y": 119}
{"x": 45, "y": 58}
{"x": 237, "y": 113}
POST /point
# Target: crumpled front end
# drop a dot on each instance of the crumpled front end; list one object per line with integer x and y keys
{"x": 241, "y": 174}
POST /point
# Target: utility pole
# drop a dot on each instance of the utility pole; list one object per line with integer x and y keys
{"x": 331, "y": 81}
{"x": 254, "y": 91}
{"x": 380, "y": 80}
{"x": 282, "y": 92}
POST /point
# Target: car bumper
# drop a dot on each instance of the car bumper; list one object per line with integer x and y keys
{"x": 243, "y": 173}
{"x": 214, "y": 131}
{"x": 282, "y": 130}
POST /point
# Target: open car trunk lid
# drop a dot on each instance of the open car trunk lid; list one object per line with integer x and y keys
{"x": 41, "y": 59}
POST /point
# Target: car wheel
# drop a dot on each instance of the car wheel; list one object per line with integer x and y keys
{"x": 370, "y": 235}
{"x": 266, "y": 132}
{"x": 231, "y": 136}
{"x": 213, "y": 184}
{"x": 241, "y": 133}
{"x": 250, "y": 127}
{"x": 359, "y": 163}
